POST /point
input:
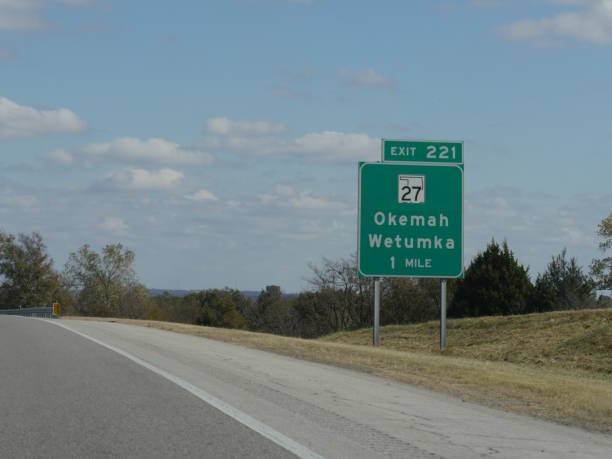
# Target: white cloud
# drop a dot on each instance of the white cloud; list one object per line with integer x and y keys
{"x": 290, "y": 93}
{"x": 367, "y": 77}
{"x": 536, "y": 225}
{"x": 78, "y": 2}
{"x": 5, "y": 54}
{"x": 154, "y": 150}
{"x": 481, "y": 3}
{"x": 20, "y": 14}
{"x": 287, "y": 196}
{"x": 591, "y": 24}
{"x": 202, "y": 196}
{"x": 26, "y": 14}
{"x": 61, "y": 157}
{"x": 319, "y": 146}
{"x": 113, "y": 224}
{"x": 11, "y": 199}
{"x": 334, "y": 145}
{"x": 19, "y": 121}
{"x": 225, "y": 126}
{"x": 142, "y": 179}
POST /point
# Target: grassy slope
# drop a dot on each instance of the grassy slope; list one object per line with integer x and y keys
{"x": 576, "y": 340}
{"x": 554, "y": 366}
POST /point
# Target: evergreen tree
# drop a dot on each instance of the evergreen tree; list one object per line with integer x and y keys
{"x": 273, "y": 313}
{"x": 563, "y": 286}
{"x": 495, "y": 283}
{"x": 219, "y": 308}
{"x": 312, "y": 314}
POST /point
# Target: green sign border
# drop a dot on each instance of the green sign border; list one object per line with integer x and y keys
{"x": 423, "y": 144}
{"x": 459, "y": 166}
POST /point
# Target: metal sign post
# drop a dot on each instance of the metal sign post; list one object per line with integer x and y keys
{"x": 376, "y": 325}
{"x": 443, "y": 316}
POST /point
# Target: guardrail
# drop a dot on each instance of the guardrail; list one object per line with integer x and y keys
{"x": 48, "y": 312}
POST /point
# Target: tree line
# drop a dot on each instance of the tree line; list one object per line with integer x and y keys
{"x": 105, "y": 284}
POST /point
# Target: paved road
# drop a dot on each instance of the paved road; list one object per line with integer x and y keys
{"x": 332, "y": 412}
{"x": 63, "y": 396}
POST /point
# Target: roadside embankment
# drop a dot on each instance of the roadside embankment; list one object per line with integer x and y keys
{"x": 556, "y": 366}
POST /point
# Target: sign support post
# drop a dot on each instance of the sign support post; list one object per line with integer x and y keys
{"x": 443, "y": 316}
{"x": 376, "y": 325}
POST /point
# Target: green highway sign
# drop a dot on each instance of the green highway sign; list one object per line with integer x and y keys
{"x": 422, "y": 151}
{"x": 410, "y": 220}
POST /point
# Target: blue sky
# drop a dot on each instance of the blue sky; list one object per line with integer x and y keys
{"x": 220, "y": 139}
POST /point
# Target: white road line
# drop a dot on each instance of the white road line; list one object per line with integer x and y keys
{"x": 281, "y": 440}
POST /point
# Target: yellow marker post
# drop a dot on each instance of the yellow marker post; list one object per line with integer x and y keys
{"x": 56, "y": 308}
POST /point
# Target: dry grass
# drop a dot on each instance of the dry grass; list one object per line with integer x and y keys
{"x": 575, "y": 340}
{"x": 558, "y": 387}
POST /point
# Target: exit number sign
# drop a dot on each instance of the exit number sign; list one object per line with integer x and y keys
{"x": 422, "y": 151}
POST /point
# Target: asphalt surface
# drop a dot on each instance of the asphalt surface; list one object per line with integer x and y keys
{"x": 62, "y": 396}
{"x": 105, "y": 403}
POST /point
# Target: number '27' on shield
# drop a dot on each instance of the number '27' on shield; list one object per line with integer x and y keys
{"x": 411, "y": 189}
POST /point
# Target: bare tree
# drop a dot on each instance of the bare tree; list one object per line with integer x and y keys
{"x": 601, "y": 269}
{"x": 348, "y": 297}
